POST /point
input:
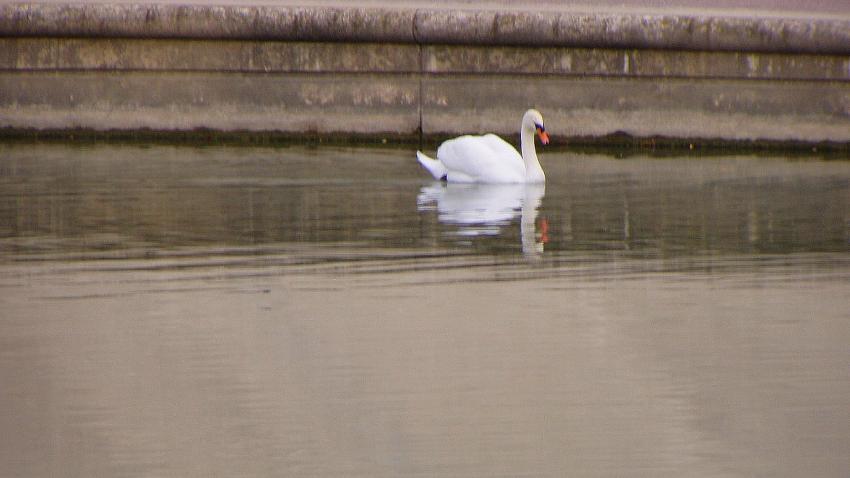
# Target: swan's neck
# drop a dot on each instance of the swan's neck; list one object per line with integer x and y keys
{"x": 533, "y": 171}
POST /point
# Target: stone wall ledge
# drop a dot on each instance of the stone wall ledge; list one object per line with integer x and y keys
{"x": 429, "y": 26}
{"x": 251, "y": 56}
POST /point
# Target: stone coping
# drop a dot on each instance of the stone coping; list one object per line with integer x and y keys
{"x": 414, "y": 25}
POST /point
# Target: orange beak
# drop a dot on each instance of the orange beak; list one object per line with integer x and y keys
{"x": 544, "y": 136}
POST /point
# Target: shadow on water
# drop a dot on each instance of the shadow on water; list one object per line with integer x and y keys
{"x": 332, "y": 312}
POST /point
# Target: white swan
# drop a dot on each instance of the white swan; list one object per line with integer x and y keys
{"x": 488, "y": 158}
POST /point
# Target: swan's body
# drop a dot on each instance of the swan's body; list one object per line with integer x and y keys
{"x": 489, "y": 158}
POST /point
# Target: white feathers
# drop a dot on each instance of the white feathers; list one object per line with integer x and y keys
{"x": 488, "y": 158}
{"x": 433, "y": 166}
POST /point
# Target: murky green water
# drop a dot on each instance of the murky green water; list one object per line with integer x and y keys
{"x": 331, "y": 312}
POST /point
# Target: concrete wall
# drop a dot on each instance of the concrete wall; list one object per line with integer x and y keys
{"x": 114, "y": 67}
{"x": 528, "y": 24}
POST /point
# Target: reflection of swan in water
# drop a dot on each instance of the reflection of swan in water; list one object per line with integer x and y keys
{"x": 483, "y": 209}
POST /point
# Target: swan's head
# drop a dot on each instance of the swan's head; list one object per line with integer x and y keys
{"x": 533, "y": 121}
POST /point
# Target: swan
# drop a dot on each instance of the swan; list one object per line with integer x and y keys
{"x": 489, "y": 158}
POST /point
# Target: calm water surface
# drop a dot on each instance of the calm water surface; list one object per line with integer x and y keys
{"x": 172, "y": 311}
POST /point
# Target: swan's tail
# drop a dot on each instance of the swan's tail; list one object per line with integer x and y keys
{"x": 433, "y": 166}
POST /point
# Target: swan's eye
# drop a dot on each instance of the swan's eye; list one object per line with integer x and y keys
{"x": 540, "y": 127}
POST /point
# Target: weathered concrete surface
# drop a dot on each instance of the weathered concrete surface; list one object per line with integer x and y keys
{"x": 634, "y": 31}
{"x": 370, "y": 104}
{"x": 206, "y": 21}
{"x": 423, "y": 25}
{"x": 28, "y": 54}
{"x": 408, "y": 68}
{"x": 678, "y": 108}
{"x": 565, "y": 61}
{"x": 445, "y": 104}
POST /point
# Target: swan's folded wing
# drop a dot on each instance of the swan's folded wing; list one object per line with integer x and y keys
{"x": 500, "y": 146}
{"x": 505, "y": 152}
{"x": 464, "y": 154}
{"x": 475, "y": 158}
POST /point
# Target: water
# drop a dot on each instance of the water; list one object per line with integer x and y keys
{"x": 174, "y": 311}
